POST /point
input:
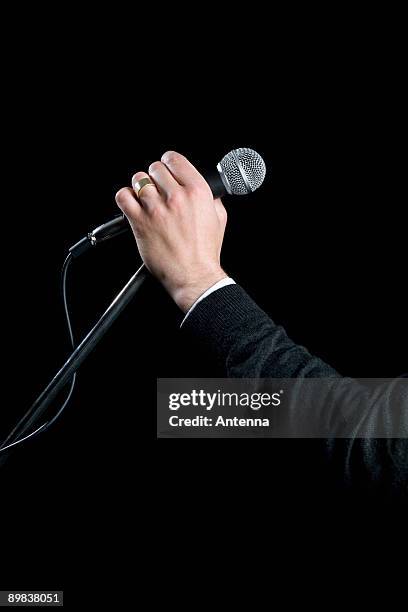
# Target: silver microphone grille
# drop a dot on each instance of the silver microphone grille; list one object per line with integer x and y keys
{"x": 244, "y": 170}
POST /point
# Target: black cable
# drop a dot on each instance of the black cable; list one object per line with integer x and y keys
{"x": 71, "y": 337}
{"x": 48, "y": 424}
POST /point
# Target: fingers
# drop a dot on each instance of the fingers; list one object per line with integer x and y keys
{"x": 168, "y": 175}
{"x": 148, "y": 196}
{"x": 165, "y": 181}
{"x": 125, "y": 199}
{"x": 182, "y": 170}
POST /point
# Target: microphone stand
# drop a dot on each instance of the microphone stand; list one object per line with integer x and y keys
{"x": 79, "y": 355}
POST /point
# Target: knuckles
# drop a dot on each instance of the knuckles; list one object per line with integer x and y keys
{"x": 196, "y": 191}
{"x": 175, "y": 199}
{"x": 125, "y": 200}
{"x": 138, "y": 176}
{"x": 171, "y": 157}
{"x": 121, "y": 196}
{"x": 155, "y": 166}
{"x": 156, "y": 214}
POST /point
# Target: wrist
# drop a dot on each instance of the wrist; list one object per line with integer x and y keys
{"x": 188, "y": 293}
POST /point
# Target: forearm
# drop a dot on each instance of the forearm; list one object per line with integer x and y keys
{"x": 249, "y": 344}
{"x": 246, "y": 341}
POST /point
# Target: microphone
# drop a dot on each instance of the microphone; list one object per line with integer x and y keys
{"x": 240, "y": 172}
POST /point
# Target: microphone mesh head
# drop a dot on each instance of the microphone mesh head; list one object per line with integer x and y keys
{"x": 244, "y": 170}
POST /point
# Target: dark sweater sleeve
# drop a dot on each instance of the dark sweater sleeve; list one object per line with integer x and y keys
{"x": 248, "y": 344}
{"x": 245, "y": 340}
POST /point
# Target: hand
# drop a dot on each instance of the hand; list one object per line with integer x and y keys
{"x": 178, "y": 226}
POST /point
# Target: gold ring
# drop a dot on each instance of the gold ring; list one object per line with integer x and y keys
{"x": 139, "y": 185}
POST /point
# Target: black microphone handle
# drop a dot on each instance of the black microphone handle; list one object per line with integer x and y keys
{"x": 213, "y": 178}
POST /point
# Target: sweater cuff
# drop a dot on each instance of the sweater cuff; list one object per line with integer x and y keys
{"x": 221, "y": 283}
{"x": 220, "y": 317}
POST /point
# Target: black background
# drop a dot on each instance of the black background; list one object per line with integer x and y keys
{"x": 321, "y": 247}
